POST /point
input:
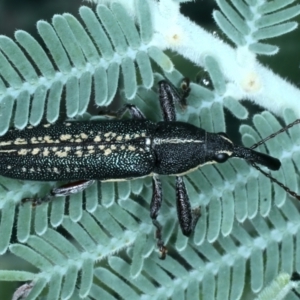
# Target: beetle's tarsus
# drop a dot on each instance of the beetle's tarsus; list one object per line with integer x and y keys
{"x": 37, "y": 201}
{"x": 134, "y": 112}
{"x": 162, "y": 251}
{"x": 196, "y": 214}
{"x": 160, "y": 243}
{"x": 154, "y": 210}
{"x": 62, "y": 191}
{"x": 71, "y": 188}
{"x": 185, "y": 87}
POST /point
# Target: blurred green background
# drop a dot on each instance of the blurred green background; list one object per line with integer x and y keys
{"x": 23, "y": 14}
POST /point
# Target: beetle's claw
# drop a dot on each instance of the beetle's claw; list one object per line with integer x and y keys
{"x": 34, "y": 202}
{"x": 163, "y": 250}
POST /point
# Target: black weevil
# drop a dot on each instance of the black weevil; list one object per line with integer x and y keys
{"x": 116, "y": 150}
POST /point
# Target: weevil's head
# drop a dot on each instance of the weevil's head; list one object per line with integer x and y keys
{"x": 226, "y": 149}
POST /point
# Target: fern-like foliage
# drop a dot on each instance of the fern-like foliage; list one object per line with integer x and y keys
{"x": 246, "y": 24}
{"x": 280, "y": 286}
{"x": 100, "y": 244}
{"x": 81, "y": 55}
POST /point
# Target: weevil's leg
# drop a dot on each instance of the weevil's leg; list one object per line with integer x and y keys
{"x": 64, "y": 190}
{"x": 135, "y": 113}
{"x": 185, "y": 87}
{"x": 154, "y": 210}
{"x": 168, "y": 95}
{"x": 295, "y": 277}
{"x": 187, "y": 217}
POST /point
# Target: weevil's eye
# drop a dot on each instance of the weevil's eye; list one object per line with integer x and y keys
{"x": 221, "y": 157}
{"x": 223, "y": 134}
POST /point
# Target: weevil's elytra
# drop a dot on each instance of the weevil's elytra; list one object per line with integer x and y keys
{"x": 115, "y": 150}
{"x": 99, "y": 150}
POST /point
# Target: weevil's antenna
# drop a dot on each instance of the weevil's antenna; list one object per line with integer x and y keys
{"x": 276, "y": 181}
{"x": 268, "y": 174}
{"x": 283, "y": 129}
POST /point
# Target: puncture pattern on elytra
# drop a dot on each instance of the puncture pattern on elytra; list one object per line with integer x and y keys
{"x": 107, "y": 145}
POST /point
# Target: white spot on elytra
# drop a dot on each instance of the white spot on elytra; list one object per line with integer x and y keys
{"x": 107, "y": 152}
{"x": 65, "y": 137}
{"x": 20, "y": 141}
{"x": 35, "y": 151}
{"x": 83, "y": 135}
{"x": 79, "y": 153}
{"x": 22, "y": 151}
{"x": 46, "y": 152}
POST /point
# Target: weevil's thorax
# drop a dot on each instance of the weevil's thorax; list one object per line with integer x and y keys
{"x": 217, "y": 143}
{"x": 178, "y": 147}
{"x": 181, "y": 147}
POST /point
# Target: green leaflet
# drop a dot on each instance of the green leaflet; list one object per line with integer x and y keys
{"x": 81, "y": 55}
{"x": 236, "y": 20}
